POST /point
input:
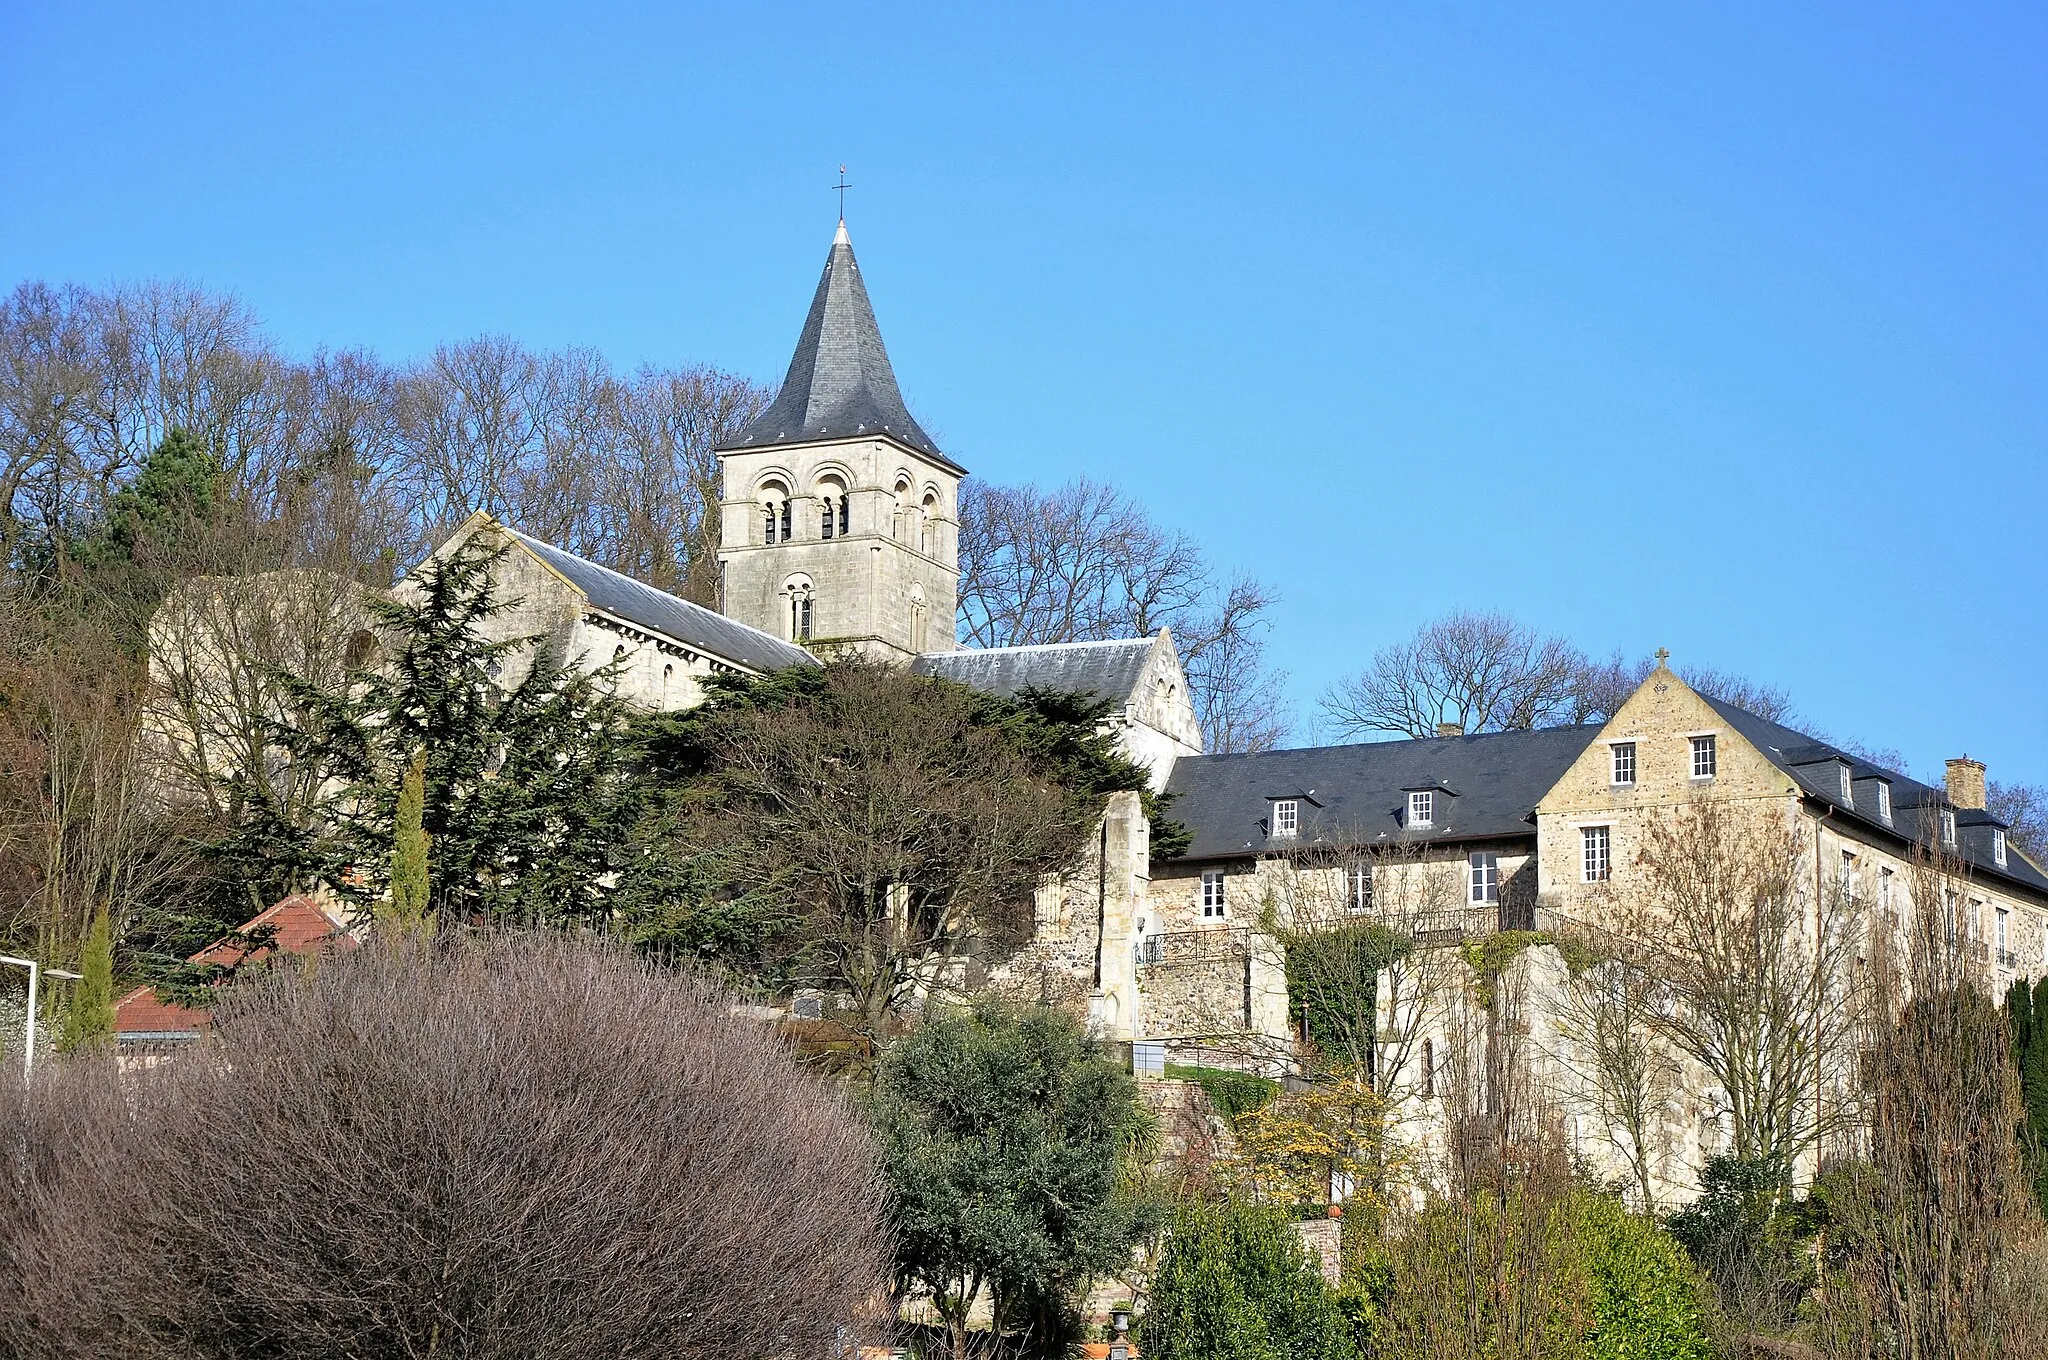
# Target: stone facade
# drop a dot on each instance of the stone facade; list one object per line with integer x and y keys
{"x": 887, "y": 585}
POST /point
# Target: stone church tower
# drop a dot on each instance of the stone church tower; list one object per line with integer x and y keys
{"x": 840, "y": 515}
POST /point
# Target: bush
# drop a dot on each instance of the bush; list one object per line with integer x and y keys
{"x": 1237, "y": 1283}
{"x": 1540, "y": 1267}
{"x": 1232, "y": 1093}
{"x": 513, "y": 1147}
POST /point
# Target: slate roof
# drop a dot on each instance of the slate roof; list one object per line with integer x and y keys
{"x": 839, "y": 384}
{"x": 660, "y": 612}
{"x": 1488, "y": 787}
{"x": 1811, "y": 764}
{"x": 1108, "y": 670}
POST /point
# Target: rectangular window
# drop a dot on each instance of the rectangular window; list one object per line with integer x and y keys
{"x": 1358, "y": 887}
{"x": 2004, "y": 936}
{"x": 1624, "y": 762}
{"x": 1884, "y": 799}
{"x": 1998, "y": 846}
{"x": 1595, "y": 843}
{"x": 1846, "y": 879}
{"x": 1848, "y": 788}
{"x": 1884, "y": 888}
{"x": 1286, "y": 816}
{"x": 830, "y": 521}
{"x": 1485, "y": 878}
{"x": 1422, "y": 808}
{"x": 1702, "y": 757}
{"x": 1212, "y": 894}
{"x": 1948, "y": 827}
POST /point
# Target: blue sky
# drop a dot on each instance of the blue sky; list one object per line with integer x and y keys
{"x": 1722, "y": 331}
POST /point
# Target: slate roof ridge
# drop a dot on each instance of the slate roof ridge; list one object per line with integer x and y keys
{"x": 840, "y": 383}
{"x": 767, "y": 653}
{"x": 1145, "y": 641}
{"x": 1396, "y": 743}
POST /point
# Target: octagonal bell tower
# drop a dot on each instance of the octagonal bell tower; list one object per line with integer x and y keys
{"x": 839, "y": 515}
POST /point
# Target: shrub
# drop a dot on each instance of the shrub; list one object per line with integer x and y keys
{"x": 1236, "y": 1283}
{"x": 510, "y": 1147}
{"x": 1647, "y": 1300}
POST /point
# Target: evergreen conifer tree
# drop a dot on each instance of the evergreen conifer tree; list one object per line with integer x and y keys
{"x": 89, "y": 1020}
{"x": 408, "y": 910}
{"x": 2027, "y": 1016}
{"x": 524, "y": 794}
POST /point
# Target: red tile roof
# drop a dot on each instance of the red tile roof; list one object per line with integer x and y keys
{"x": 301, "y": 925}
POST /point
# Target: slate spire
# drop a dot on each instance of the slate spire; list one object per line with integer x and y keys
{"x": 839, "y": 384}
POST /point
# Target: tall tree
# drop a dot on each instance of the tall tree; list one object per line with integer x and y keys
{"x": 409, "y": 848}
{"x": 525, "y": 794}
{"x": 860, "y": 828}
{"x": 89, "y": 1018}
{"x": 1084, "y": 563}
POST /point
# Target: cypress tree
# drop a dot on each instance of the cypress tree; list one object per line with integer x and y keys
{"x": 89, "y": 1021}
{"x": 408, "y": 909}
{"x": 2033, "y": 1065}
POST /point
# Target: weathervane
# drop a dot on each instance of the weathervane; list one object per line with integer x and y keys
{"x": 842, "y": 186}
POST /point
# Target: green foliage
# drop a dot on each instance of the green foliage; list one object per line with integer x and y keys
{"x": 1237, "y": 1283}
{"x": 1490, "y": 956}
{"x": 1647, "y": 1301}
{"x": 89, "y": 1019}
{"x": 1232, "y": 1093}
{"x": 1011, "y": 1148}
{"x": 525, "y": 793}
{"x": 1333, "y": 984}
{"x": 1749, "y": 1237}
{"x": 1537, "y": 1268}
{"x": 2027, "y": 1017}
{"x": 180, "y": 481}
{"x": 408, "y": 910}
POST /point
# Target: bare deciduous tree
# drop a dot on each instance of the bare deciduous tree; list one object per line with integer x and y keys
{"x": 1755, "y": 959}
{"x": 1943, "y": 1248}
{"x": 1084, "y": 563}
{"x": 1484, "y": 672}
{"x": 1608, "y": 1018}
{"x": 514, "y": 1147}
{"x": 2025, "y": 808}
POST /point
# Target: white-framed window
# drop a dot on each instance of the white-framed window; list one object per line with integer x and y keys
{"x": 1596, "y": 846}
{"x": 1884, "y": 799}
{"x": 1884, "y": 887}
{"x": 1624, "y": 762}
{"x": 1358, "y": 887}
{"x": 1485, "y": 877}
{"x": 1286, "y": 817}
{"x": 1422, "y": 808}
{"x": 1998, "y": 846}
{"x": 1948, "y": 826}
{"x": 1212, "y": 895}
{"x": 1848, "y": 787}
{"x": 1846, "y": 876}
{"x": 2003, "y": 927}
{"x": 1703, "y": 757}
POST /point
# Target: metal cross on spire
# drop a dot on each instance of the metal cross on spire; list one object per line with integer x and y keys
{"x": 842, "y": 187}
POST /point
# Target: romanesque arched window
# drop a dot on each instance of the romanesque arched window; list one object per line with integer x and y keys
{"x": 927, "y": 513}
{"x": 775, "y": 514}
{"x": 834, "y": 513}
{"x": 802, "y": 603}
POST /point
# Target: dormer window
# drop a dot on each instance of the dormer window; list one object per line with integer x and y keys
{"x": 1286, "y": 817}
{"x": 1884, "y": 799}
{"x": 1421, "y": 809}
{"x": 1848, "y": 788}
{"x": 1948, "y": 826}
{"x": 1998, "y": 847}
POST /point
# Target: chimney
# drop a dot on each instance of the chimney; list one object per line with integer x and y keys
{"x": 1966, "y": 784}
{"x": 1458, "y": 730}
